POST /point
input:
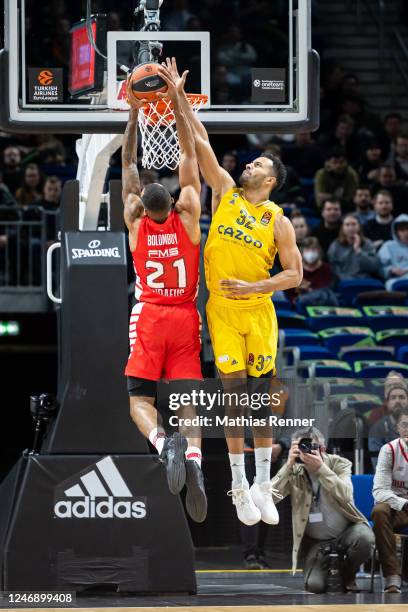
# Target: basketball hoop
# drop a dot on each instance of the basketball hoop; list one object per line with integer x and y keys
{"x": 157, "y": 125}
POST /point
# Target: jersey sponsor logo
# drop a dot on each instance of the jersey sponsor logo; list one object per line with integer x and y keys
{"x": 234, "y": 197}
{"x": 251, "y": 359}
{"x": 161, "y": 239}
{"x": 99, "y": 492}
{"x": 239, "y": 235}
{"x": 266, "y": 217}
{"x": 163, "y": 253}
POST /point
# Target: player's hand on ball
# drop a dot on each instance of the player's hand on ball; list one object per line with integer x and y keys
{"x": 133, "y": 102}
{"x": 234, "y": 288}
{"x": 169, "y": 73}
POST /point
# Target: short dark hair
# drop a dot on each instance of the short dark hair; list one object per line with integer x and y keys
{"x": 279, "y": 169}
{"x": 400, "y": 413}
{"x": 337, "y": 153}
{"x": 403, "y": 135}
{"x": 393, "y": 116}
{"x": 385, "y": 193}
{"x": 332, "y": 200}
{"x": 156, "y": 198}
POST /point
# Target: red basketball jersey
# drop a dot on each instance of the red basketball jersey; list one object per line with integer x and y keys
{"x": 166, "y": 262}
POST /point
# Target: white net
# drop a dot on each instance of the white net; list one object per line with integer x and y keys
{"x": 160, "y": 145}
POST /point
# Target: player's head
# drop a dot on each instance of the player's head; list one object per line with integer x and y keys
{"x": 157, "y": 202}
{"x": 266, "y": 172}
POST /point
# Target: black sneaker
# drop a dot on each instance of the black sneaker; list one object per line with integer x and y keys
{"x": 254, "y": 561}
{"x": 196, "y": 499}
{"x": 172, "y": 456}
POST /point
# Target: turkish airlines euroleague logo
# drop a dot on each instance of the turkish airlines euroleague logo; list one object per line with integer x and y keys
{"x": 45, "y": 77}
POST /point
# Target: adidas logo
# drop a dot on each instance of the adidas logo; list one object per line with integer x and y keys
{"x": 102, "y": 493}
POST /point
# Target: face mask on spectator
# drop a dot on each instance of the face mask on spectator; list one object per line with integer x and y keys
{"x": 310, "y": 257}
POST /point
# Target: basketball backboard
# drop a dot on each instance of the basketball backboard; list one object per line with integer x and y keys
{"x": 253, "y": 59}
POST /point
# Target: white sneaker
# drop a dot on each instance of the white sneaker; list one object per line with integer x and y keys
{"x": 247, "y": 512}
{"x": 262, "y": 498}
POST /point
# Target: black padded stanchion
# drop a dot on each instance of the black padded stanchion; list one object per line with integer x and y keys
{"x": 93, "y": 507}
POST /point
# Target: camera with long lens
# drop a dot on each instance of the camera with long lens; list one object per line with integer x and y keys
{"x": 306, "y": 445}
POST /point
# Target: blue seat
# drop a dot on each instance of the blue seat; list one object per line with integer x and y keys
{"x": 288, "y": 318}
{"x": 373, "y": 353}
{"x": 392, "y": 337}
{"x": 327, "y": 368}
{"x": 402, "y": 354}
{"x": 363, "y": 493}
{"x": 401, "y": 285}
{"x": 313, "y": 221}
{"x": 379, "y": 368}
{"x": 324, "y": 317}
{"x": 312, "y": 352}
{"x": 300, "y": 337}
{"x": 337, "y": 337}
{"x": 379, "y": 318}
{"x": 349, "y": 289}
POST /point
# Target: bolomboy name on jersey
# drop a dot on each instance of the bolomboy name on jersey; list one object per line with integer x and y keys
{"x": 239, "y": 235}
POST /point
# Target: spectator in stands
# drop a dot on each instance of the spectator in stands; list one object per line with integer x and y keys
{"x": 230, "y": 163}
{"x": 384, "y": 430}
{"x": 329, "y": 228}
{"x": 323, "y": 511}
{"x": 291, "y": 191}
{"x": 369, "y": 168}
{"x": 318, "y": 281}
{"x": 393, "y": 128}
{"x": 394, "y": 380}
{"x": 237, "y": 55}
{"x": 390, "y": 493}
{"x": 343, "y": 137}
{"x": 367, "y": 123}
{"x": 387, "y": 179}
{"x": 393, "y": 254}
{"x": 50, "y": 202}
{"x": 30, "y": 191}
{"x": 12, "y": 173}
{"x": 305, "y": 155}
{"x": 177, "y": 19}
{"x": 352, "y": 255}
{"x": 379, "y": 229}
{"x": 398, "y": 158}
{"x": 6, "y": 199}
{"x": 300, "y": 226}
{"x": 336, "y": 179}
{"x": 362, "y": 204}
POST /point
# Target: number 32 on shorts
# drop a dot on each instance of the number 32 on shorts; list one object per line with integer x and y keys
{"x": 262, "y": 362}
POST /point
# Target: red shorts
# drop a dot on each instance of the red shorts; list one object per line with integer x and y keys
{"x": 164, "y": 342}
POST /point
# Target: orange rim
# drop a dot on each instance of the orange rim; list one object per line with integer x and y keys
{"x": 161, "y": 106}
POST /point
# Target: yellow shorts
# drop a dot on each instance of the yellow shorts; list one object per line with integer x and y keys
{"x": 243, "y": 338}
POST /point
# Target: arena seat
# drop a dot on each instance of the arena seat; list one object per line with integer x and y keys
{"x": 337, "y": 337}
{"x": 379, "y": 368}
{"x": 401, "y": 285}
{"x": 392, "y": 337}
{"x": 300, "y": 337}
{"x": 324, "y": 317}
{"x": 325, "y": 368}
{"x": 290, "y": 319}
{"x": 380, "y": 298}
{"x": 352, "y": 354}
{"x": 349, "y": 289}
{"x": 383, "y": 317}
{"x": 402, "y": 354}
{"x": 308, "y": 353}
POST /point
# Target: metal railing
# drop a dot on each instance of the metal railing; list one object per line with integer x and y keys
{"x": 24, "y": 236}
{"x": 399, "y": 54}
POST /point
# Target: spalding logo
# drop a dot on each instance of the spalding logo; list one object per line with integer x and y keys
{"x": 94, "y": 244}
{"x": 45, "y": 77}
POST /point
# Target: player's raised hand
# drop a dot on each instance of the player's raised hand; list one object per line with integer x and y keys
{"x": 234, "y": 288}
{"x": 134, "y": 103}
{"x": 169, "y": 70}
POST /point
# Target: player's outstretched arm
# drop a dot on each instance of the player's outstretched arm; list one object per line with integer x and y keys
{"x": 131, "y": 188}
{"x": 214, "y": 175}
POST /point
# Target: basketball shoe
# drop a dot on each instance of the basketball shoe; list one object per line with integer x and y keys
{"x": 172, "y": 456}
{"x": 247, "y": 512}
{"x": 196, "y": 499}
{"x": 262, "y": 497}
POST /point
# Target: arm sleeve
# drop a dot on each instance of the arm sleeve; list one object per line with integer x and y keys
{"x": 382, "y": 489}
{"x": 281, "y": 482}
{"x": 337, "y": 483}
{"x": 368, "y": 259}
{"x": 384, "y": 256}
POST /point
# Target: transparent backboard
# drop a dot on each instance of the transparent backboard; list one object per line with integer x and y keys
{"x": 253, "y": 59}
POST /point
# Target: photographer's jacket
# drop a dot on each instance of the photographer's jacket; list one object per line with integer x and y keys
{"x": 334, "y": 477}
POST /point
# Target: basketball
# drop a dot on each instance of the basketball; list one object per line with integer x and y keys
{"x": 145, "y": 83}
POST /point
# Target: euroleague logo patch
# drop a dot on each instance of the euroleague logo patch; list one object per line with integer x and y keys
{"x": 266, "y": 217}
{"x": 45, "y": 77}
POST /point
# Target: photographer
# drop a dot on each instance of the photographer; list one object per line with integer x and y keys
{"x": 390, "y": 493}
{"x": 324, "y": 516}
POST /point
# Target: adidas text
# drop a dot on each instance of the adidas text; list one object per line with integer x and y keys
{"x": 107, "y": 508}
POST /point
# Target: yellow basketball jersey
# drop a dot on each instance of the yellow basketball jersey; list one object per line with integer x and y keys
{"x": 240, "y": 245}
